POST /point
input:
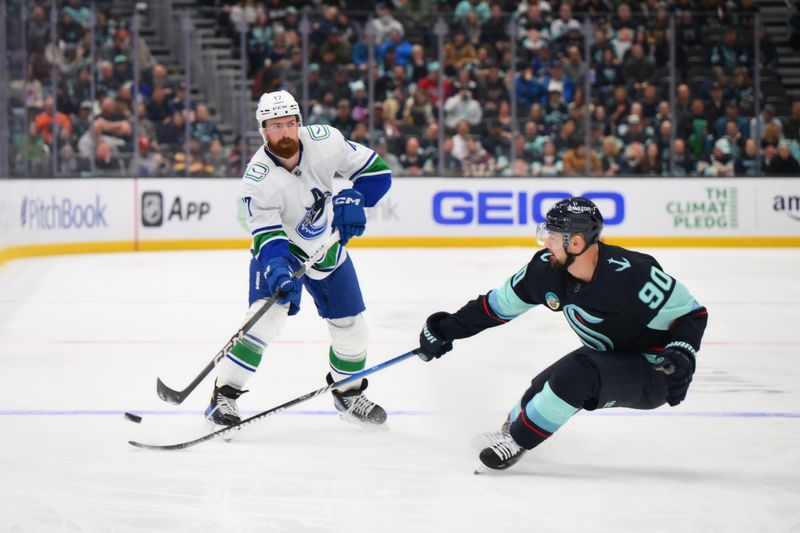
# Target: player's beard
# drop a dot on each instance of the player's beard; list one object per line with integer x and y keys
{"x": 285, "y": 148}
{"x": 556, "y": 264}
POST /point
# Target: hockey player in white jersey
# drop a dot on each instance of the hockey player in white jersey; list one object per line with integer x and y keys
{"x": 288, "y": 193}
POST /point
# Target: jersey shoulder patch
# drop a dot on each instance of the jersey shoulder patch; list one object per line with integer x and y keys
{"x": 318, "y": 132}
{"x": 256, "y": 171}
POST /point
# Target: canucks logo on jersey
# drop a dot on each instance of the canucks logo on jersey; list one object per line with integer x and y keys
{"x": 315, "y": 221}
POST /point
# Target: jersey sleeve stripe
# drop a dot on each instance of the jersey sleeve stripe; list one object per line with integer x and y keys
{"x": 265, "y": 238}
{"x": 505, "y": 302}
{"x": 367, "y": 164}
{"x": 266, "y": 228}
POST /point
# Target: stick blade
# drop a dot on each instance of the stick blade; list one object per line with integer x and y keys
{"x": 168, "y": 395}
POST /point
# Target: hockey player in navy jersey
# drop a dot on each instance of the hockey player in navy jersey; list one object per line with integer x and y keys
{"x": 640, "y": 327}
{"x": 292, "y": 210}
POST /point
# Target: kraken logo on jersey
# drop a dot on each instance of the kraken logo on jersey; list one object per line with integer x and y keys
{"x": 315, "y": 221}
{"x": 552, "y": 300}
{"x": 578, "y": 319}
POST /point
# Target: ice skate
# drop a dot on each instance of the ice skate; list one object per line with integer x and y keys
{"x": 223, "y": 411}
{"x": 502, "y": 453}
{"x": 356, "y": 407}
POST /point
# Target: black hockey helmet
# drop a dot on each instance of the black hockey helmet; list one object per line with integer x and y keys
{"x": 575, "y": 215}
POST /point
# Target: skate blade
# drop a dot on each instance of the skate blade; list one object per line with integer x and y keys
{"x": 354, "y": 420}
{"x": 228, "y": 437}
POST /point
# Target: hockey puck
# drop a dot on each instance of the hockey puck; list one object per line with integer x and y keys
{"x": 132, "y": 417}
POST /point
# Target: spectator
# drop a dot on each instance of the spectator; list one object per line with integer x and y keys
{"x": 465, "y": 7}
{"x": 452, "y": 165}
{"x": 620, "y": 104}
{"x": 385, "y": 22}
{"x": 418, "y": 111}
{"x": 575, "y": 162}
{"x": 695, "y": 129}
{"x": 729, "y": 53}
{"x": 622, "y": 43}
{"x": 633, "y": 162}
{"x": 527, "y": 88}
{"x": 720, "y": 162}
{"x": 459, "y": 150}
{"x": 462, "y": 106}
{"x": 198, "y": 168}
{"x": 458, "y": 53}
{"x": 335, "y": 50}
{"x": 402, "y": 48}
{"x": 745, "y": 165}
{"x": 792, "y": 127}
{"x": 560, "y": 26}
{"x": 767, "y": 117}
{"x": 555, "y": 111}
{"x": 105, "y": 161}
{"x": 734, "y": 137}
{"x": 412, "y": 160}
{"x": 151, "y": 163}
{"x": 492, "y": 90}
{"x": 43, "y": 124}
{"x": 430, "y": 84}
{"x": 549, "y": 165}
{"x": 343, "y": 121}
{"x": 652, "y": 161}
{"x": 783, "y": 164}
{"x": 216, "y": 164}
{"x": 610, "y": 163}
{"x": 557, "y": 77}
{"x": 624, "y": 18}
{"x": 633, "y": 131}
{"x": 715, "y": 105}
{"x": 684, "y": 162}
{"x": 608, "y": 73}
{"x": 477, "y": 162}
{"x": 204, "y": 130}
{"x": 159, "y": 109}
{"x": 639, "y": 70}
{"x": 171, "y": 132}
{"x": 743, "y": 91}
{"x": 683, "y": 103}
{"x": 731, "y": 115}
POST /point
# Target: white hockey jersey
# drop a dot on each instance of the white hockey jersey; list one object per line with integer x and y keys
{"x": 295, "y": 205}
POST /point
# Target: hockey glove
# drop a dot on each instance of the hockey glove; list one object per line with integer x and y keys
{"x": 278, "y": 275}
{"x": 431, "y": 344}
{"x": 348, "y": 214}
{"x": 678, "y": 364}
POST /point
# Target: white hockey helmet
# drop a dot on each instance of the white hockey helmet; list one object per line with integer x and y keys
{"x": 277, "y": 104}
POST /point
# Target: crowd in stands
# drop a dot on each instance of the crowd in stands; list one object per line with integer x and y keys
{"x": 101, "y": 126}
{"x": 629, "y": 119}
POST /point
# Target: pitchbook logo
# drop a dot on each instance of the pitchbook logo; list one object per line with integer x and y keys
{"x": 787, "y": 204}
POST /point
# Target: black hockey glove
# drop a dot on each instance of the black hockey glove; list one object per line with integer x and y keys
{"x": 678, "y": 364}
{"x": 431, "y": 344}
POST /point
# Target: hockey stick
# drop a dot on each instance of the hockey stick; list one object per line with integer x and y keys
{"x": 177, "y": 397}
{"x": 278, "y": 409}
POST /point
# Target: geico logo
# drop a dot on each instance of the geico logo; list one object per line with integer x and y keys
{"x": 40, "y": 214}
{"x": 515, "y": 207}
{"x": 187, "y": 211}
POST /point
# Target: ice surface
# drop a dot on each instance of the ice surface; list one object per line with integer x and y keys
{"x": 82, "y": 339}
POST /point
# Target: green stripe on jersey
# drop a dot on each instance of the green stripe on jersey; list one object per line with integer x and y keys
{"x": 378, "y": 166}
{"x": 345, "y": 365}
{"x": 263, "y": 238}
{"x": 326, "y": 262}
{"x": 247, "y": 352}
{"x": 329, "y": 261}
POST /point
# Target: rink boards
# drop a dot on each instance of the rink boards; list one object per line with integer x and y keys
{"x": 52, "y": 216}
